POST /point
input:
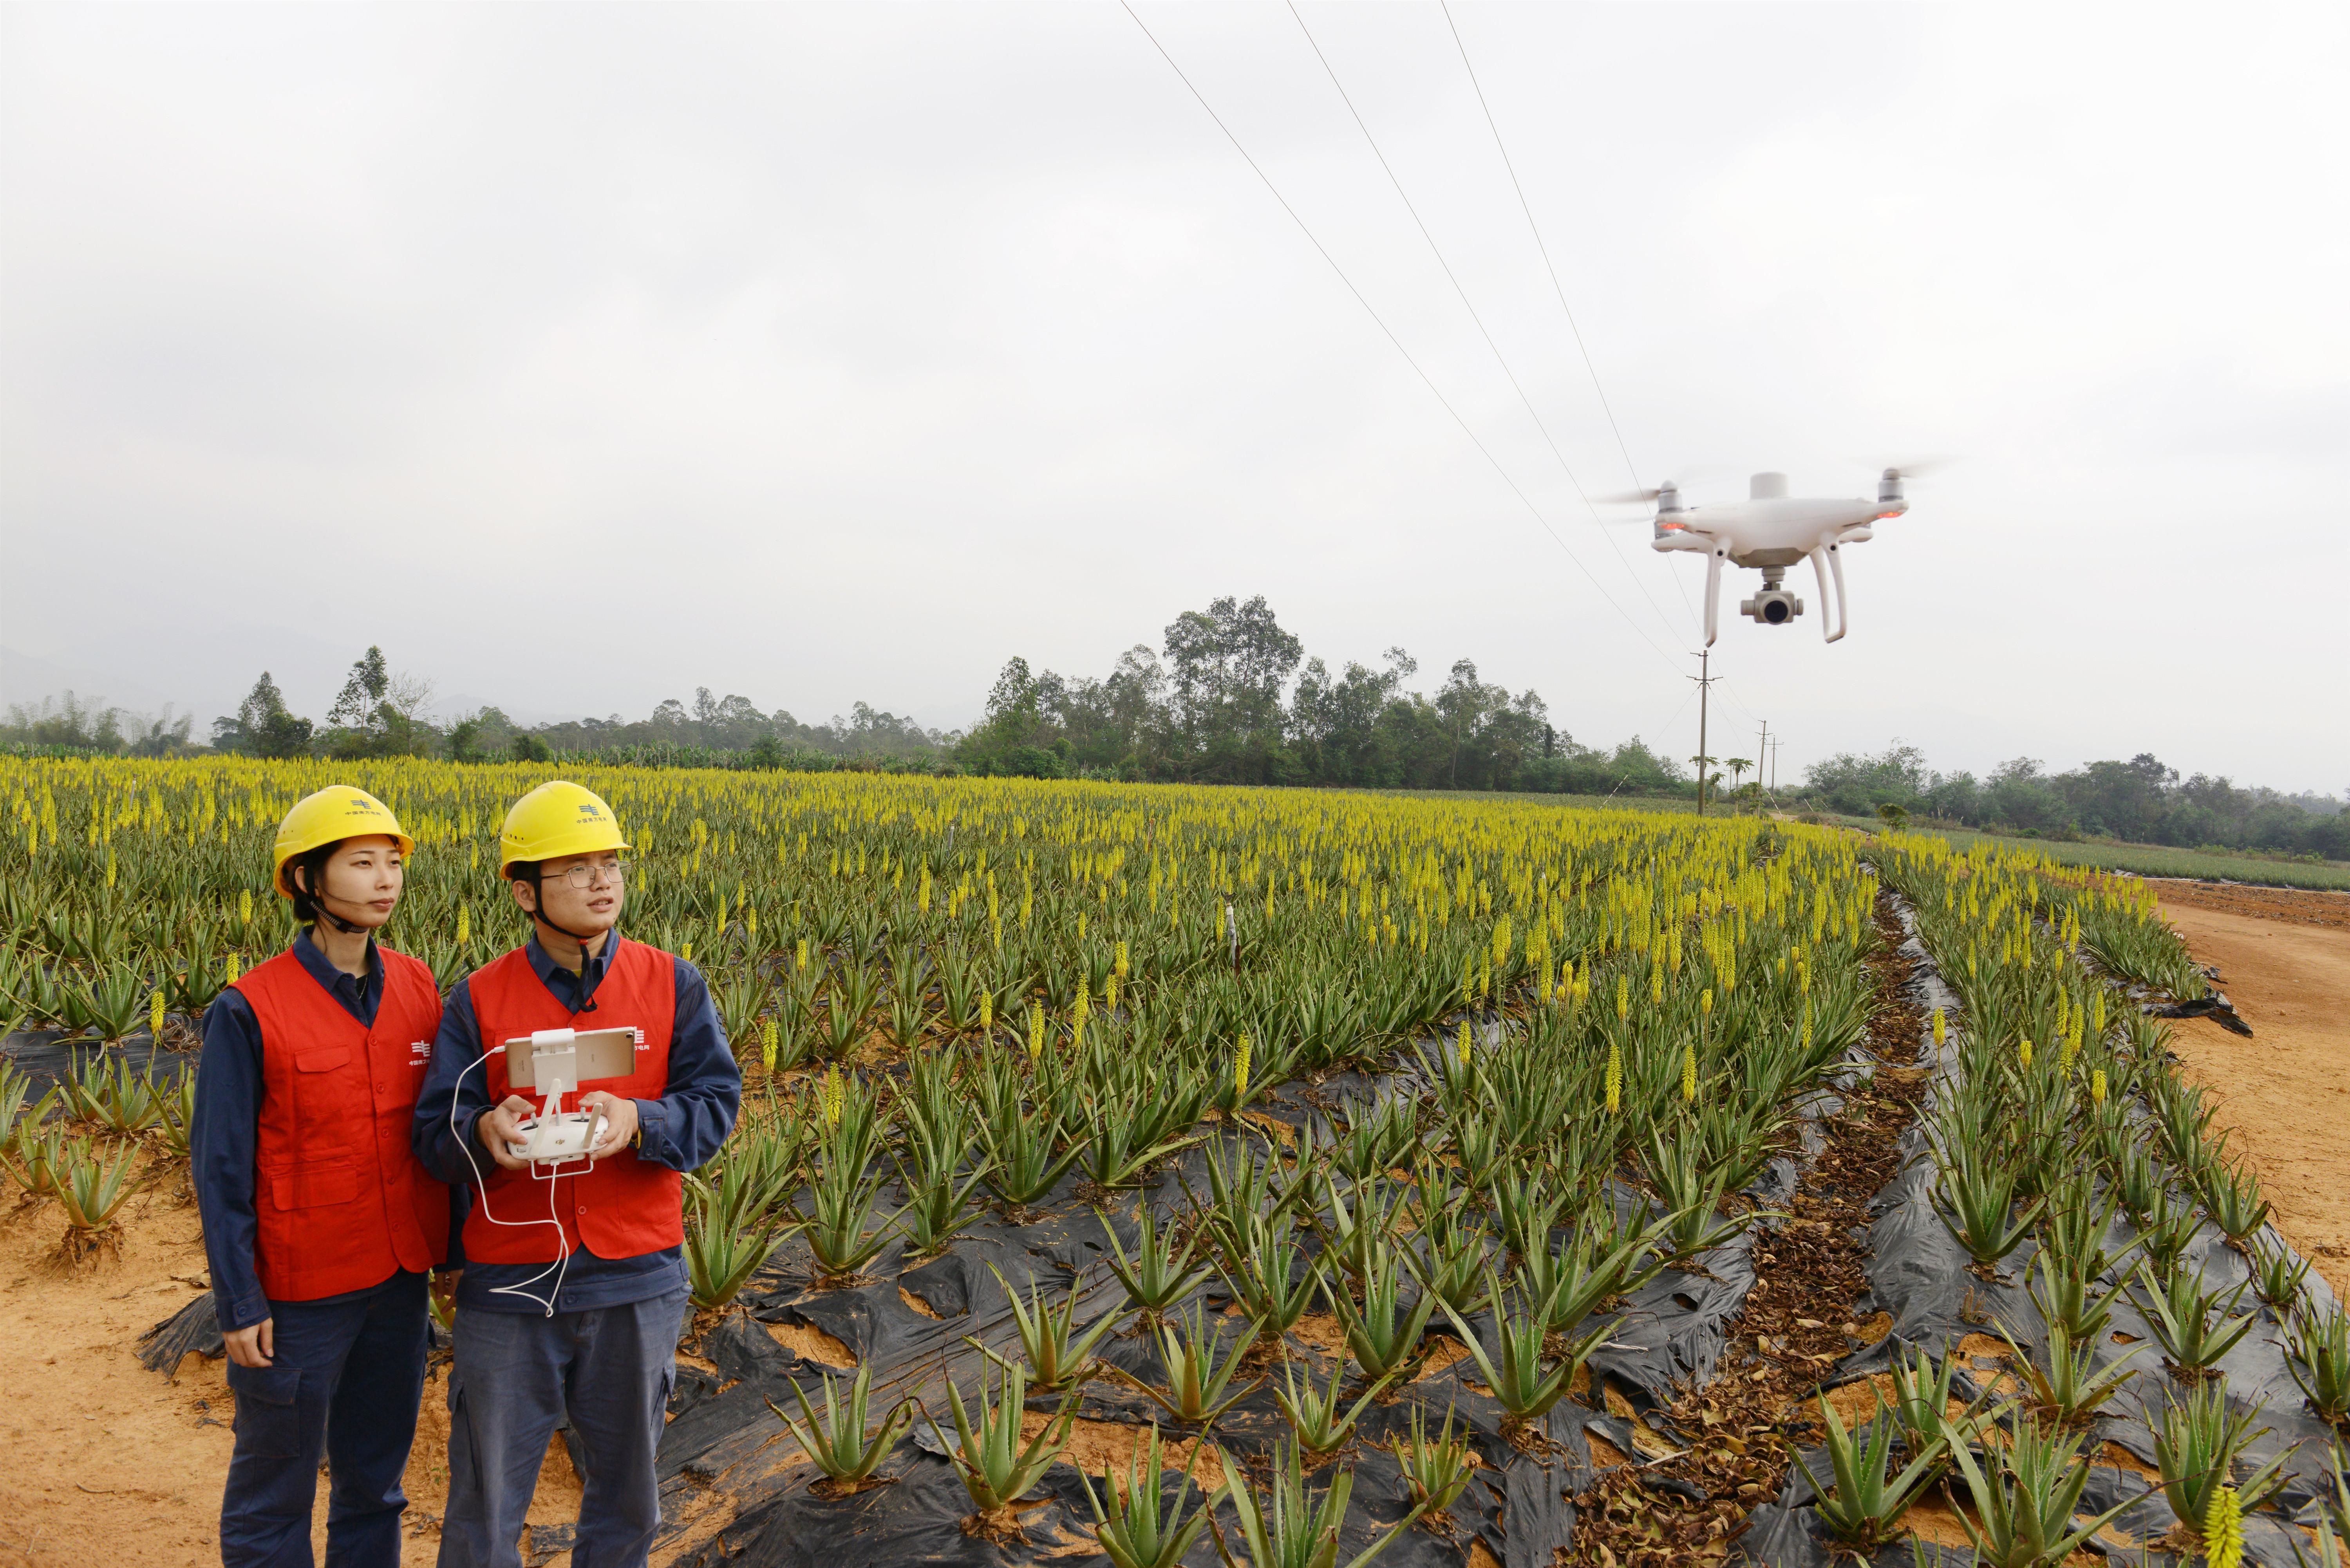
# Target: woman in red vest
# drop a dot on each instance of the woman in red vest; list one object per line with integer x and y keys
{"x": 320, "y": 1224}
{"x": 574, "y": 1285}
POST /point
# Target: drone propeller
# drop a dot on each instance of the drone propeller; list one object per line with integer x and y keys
{"x": 1919, "y": 467}
{"x": 1625, "y": 497}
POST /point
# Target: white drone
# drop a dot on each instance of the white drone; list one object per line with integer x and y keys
{"x": 1771, "y": 531}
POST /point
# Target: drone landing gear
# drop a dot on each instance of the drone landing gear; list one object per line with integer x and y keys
{"x": 1827, "y": 558}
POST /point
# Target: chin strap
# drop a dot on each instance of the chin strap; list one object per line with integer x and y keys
{"x": 538, "y": 914}
{"x": 336, "y": 922}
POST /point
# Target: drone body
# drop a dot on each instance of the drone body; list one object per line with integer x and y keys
{"x": 1771, "y": 531}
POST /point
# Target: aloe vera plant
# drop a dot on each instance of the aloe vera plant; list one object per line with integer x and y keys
{"x": 1119, "y": 1146}
{"x": 1522, "y": 1383}
{"x": 1057, "y": 1354}
{"x": 1160, "y": 1273}
{"x": 1380, "y": 1334}
{"x": 2278, "y": 1272}
{"x": 2232, "y": 1194}
{"x": 733, "y": 1223}
{"x": 1267, "y": 1273}
{"x": 1022, "y": 1163}
{"x": 842, "y": 1199}
{"x": 91, "y": 1189}
{"x": 2069, "y": 1388}
{"x": 1436, "y": 1470}
{"x": 1321, "y": 1417}
{"x": 1287, "y": 1528}
{"x": 996, "y": 1468}
{"x": 1974, "y": 1197}
{"x": 2197, "y": 1449}
{"x": 837, "y": 1441}
{"x": 1451, "y": 1263}
{"x": 1922, "y": 1397}
{"x": 1378, "y": 1141}
{"x": 2181, "y": 1314}
{"x": 1864, "y": 1505}
{"x": 1132, "y": 1524}
{"x": 1196, "y": 1381}
{"x": 2065, "y": 1289}
{"x": 2027, "y": 1499}
{"x": 2317, "y": 1353}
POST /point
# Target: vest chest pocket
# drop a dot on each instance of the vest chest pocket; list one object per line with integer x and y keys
{"x": 314, "y": 1186}
{"x": 323, "y": 1091}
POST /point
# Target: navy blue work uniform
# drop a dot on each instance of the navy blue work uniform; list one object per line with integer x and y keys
{"x": 601, "y": 1346}
{"x": 346, "y": 1370}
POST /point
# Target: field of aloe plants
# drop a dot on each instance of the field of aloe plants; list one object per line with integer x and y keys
{"x": 1358, "y": 1174}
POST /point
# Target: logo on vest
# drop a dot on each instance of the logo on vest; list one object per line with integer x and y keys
{"x": 420, "y": 1052}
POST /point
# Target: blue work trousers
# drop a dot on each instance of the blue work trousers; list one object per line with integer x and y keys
{"x": 516, "y": 1375}
{"x": 344, "y": 1380}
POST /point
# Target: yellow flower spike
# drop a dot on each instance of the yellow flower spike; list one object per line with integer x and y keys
{"x": 2097, "y": 1087}
{"x": 1614, "y": 1077}
{"x": 1941, "y": 1027}
{"x": 686, "y": 952}
{"x": 1656, "y": 987}
{"x": 1464, "y": 1042}
{"x": 2223, "y": 1530}
{"x": 1705, "y": 1001}
{"x": 1241, "y": 1076}
{"x": 1035, "y": 1030}
{"x": 1118, "y": 966}
{"x": 1109, "y": 992}
{"x": 1689, "y": 1071}
{"x": 2024, "y": 1052}
{"x": 834, "y": 1094}
{"x": 1623, "y": 999}
{"x": 232, "y": 969}
{"x": 155, "y": 1013}
{"x": 244, "y": 906}
{"x": 986, "y": 1012}
{"x": 464, "y": 922}
{"x": 800, "y": 953}
{"x": 767, "y": 1043}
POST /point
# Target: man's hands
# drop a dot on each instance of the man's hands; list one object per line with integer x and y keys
{"x": 620, "y": 1121}
{"x": 502, "y": 1125}
{"x": 252, "y": 1346}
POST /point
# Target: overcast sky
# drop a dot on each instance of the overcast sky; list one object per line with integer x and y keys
{"x": 581, "y": 355}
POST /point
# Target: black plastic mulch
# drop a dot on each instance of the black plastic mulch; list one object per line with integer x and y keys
{"x": 1921, "y": 1276}
{"x": 733, "y": 1493}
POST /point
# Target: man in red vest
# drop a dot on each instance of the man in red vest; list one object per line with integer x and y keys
{"x": 319, "y": 1225}
{"x": 575, "y": 1286}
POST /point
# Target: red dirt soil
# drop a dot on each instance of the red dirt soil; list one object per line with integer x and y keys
{"x": 108, "y": 1462}
{"x": 2283, "y": 959}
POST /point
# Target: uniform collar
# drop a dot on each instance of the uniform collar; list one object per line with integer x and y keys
{"x": 572, "y": 989}
{"x": 358, "y": 993}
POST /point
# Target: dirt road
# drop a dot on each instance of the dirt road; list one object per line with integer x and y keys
{"x": 2284, "y": 960}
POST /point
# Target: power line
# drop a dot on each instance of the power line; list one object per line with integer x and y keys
{"x": 1557, "y": 287}
{"x": 1434, "y": 249}
{"x": 1389, "y": 333}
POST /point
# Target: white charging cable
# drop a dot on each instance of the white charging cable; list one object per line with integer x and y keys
{"x": 481, "y": 1190}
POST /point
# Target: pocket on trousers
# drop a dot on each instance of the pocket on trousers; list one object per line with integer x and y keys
{"x": 268, "y": 1412}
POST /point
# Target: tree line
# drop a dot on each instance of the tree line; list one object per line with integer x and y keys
{"x": 1229, "y": 696}
{"x": 2142, "y": 801}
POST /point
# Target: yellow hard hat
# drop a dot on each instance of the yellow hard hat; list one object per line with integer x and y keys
{"x": 556, "y": 820}
{"x": 329, "y": 816}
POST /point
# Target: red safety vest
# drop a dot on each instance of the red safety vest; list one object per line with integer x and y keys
{"x": 624, "y": 1207}
{"x": 341, "y": 1201}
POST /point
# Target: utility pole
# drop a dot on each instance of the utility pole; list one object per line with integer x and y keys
{"x": 1762, "y": 754}
{"x": 1704, "y": 691}
{"x": 1774, "y": 768}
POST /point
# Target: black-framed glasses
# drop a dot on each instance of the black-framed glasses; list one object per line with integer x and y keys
{"x": 584, "y": 875}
